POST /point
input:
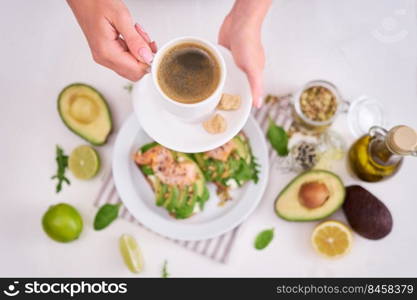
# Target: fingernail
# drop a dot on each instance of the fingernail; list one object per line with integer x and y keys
{"x": 143, "y": 33}
{"x": 146, "y": 55}
{"x": 154, "y": 46}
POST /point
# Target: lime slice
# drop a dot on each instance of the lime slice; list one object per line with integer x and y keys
{"x": 84, "y": 162}
{"x": 131, "y": 253}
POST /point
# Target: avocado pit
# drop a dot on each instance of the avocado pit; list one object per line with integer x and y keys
{"x": 313, "y": 194}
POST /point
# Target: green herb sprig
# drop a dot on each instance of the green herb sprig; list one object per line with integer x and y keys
{"x": 264, "y": 238}
{"x": 62, "y": 163}
{"x": 164, "y": 272}
{"x": 106, "y": 215}
{"x": 278, "y": 138}
{"x": 128, "y": 87}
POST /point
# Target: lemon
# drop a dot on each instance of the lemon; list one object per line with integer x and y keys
{"x": 84, "y": 162}
{"x": 131, "y": 253}
{"x": 332, "y": 239}
{"x": 62, "y": 223}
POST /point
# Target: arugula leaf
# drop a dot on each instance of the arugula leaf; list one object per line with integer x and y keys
{"x": 243, "y": 173}
{"x": 278, "y": 138}
{"x": 255, "y": 167}
{"x": 148, "y": 146}
{"x": 62, "y": 162}
{"x": 147, "y": 170}
{"x": 106, "y": 215}
{"x": 165, "y": 273}
{"x": 264, "y": 238}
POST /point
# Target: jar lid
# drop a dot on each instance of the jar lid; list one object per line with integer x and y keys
{"x": 402, "y": 139}
{"x": 363, "y": 113}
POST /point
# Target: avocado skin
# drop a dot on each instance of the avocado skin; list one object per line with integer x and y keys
{"x": 312, "y": 219}
{"x": 79, "y": 133}
{"x": 366, "y": 214}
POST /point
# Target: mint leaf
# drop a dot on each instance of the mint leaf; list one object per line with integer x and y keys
{"x": 278, "y": 138}
{"x": 264, "y": 238}
{"x": 106, "y": 215}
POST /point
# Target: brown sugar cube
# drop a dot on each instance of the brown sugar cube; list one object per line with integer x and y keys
{"x": 229, "y": 102}
{"x": 216, "y": 124}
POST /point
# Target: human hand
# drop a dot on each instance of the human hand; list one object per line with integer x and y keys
{"x": 116, "y": 42}
{"x": 241, "y": 34}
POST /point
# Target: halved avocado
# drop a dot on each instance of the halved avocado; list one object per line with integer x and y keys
{"x": 85, "y": 112}
{"x": 289, "y": 204}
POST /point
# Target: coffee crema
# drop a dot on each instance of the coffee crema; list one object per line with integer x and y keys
{"x": 188, "y": 73}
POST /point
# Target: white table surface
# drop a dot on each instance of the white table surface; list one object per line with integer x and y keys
{"x": 364, "y": 47}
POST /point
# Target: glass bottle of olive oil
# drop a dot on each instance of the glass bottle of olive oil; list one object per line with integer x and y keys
{"x": 379, "y": 154}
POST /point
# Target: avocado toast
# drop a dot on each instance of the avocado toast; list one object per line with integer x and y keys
{"x": 229, "y": 166}
{"x": 177, "y": 181}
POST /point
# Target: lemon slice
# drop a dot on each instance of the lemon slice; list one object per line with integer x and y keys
{"x": 84, "y": 162}
{"x": 332, "y": 239}
{"x": 131, "y": 253}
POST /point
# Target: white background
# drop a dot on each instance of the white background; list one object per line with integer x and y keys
{"x": 364, "y": 47}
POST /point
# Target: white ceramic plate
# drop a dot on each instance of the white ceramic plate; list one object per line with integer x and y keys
{"x": 139, "y": 199}
{"x": 176, "y": 134}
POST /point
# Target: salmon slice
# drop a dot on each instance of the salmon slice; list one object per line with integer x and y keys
{"x": 222, "y": 153}
{"x": 166, "y": 168}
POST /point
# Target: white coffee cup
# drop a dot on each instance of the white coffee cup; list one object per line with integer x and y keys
{"x": 190, "y": 112}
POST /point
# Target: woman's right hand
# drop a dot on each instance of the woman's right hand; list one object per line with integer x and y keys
{"x": 116, "y": 42}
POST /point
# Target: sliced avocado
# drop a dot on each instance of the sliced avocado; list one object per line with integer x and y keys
{"x": 161, "y": 193}
{"x": 201, "y": 183}
{"x": 182, "y": 198}
{"x": 187, "y": 208}
{"x": 179, "y": 201}
{"x": 199, "y": 158}
{"x": 85, "y": 112}
{"x": 242, "y": 148}
{"x": 289, "y": 204}
{"x": 172, "y": 196}
{"x": 203, "y": 198}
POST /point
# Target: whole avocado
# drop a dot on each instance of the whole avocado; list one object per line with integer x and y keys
{"x": 366, "y": 214}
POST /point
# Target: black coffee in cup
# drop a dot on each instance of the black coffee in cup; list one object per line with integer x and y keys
{"x": 188, "y": 73}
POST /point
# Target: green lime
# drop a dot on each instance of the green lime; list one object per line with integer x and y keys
{"x": 131, "y": 253}
{"x": 62, "y": 223}
{"x": 84, "y": 162}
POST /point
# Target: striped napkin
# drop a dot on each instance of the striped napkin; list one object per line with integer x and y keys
{"x": 218, "y": 248}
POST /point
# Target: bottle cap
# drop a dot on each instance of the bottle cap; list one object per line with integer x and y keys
{"x": 402, "y": 140}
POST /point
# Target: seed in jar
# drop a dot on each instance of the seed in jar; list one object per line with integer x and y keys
{"x": 216, "y": 124}
{"x": 318, "y": 103}
{"x": 229, "y": 102}
{"x": 305, "y": 155}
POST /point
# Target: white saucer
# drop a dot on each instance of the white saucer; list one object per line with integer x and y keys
{"x": 176, "y": 134}
{"x": 214, "y": 220}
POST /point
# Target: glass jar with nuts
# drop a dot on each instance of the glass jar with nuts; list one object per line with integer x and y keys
{"x": 316, "y": 106}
